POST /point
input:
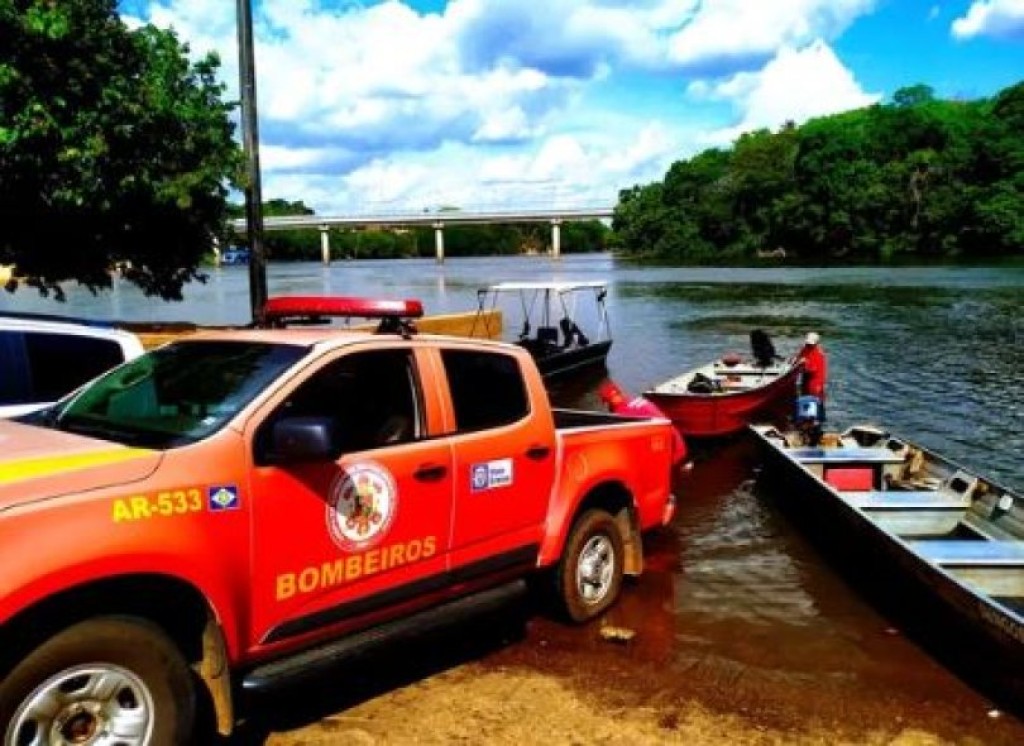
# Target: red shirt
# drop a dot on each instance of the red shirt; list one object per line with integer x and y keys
{"x": 815, "y": 371}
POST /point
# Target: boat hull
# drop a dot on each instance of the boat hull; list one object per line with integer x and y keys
{"x": 561, "y": 363}
{"x": 727, "y": 413}
{"x": 938, "y": 601}
{"x": 564, "y": 335}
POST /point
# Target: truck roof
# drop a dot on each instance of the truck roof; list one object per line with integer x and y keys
{"x": 291, "y": 335}
{"x": 329, "y": 336}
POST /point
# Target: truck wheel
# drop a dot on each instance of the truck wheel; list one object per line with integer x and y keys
{"x": 103, "y": 681}
{"x": 589, "y": 576}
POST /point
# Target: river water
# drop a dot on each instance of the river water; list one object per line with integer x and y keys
{"x": 936, "y": 354}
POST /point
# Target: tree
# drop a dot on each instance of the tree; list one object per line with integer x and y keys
{"x": 914, "y": 95}
{"x": 115, "y": 150}
{"x": 296, "y": 244}
{"x": 920, "y": 178}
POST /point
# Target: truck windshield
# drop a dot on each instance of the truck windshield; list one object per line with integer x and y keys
{"x": 174, "y": 395}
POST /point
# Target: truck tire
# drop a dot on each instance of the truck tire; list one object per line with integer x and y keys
{"x": 116, "y": 680}
{"x": 589, "y": 576}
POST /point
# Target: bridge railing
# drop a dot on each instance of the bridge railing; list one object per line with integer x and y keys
{"x": 435, "y": 219}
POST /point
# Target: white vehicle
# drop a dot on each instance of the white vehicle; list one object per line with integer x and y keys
{"x": 43, "y": 358}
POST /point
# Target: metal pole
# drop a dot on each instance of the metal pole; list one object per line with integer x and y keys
{"x": 251, "y": 147}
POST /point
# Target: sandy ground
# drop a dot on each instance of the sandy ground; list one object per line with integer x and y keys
{"x": 546, "y": 683}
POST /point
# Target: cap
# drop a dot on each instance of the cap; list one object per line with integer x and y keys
{"x": 610, "y": 393}
{"x": 812, "y": 338}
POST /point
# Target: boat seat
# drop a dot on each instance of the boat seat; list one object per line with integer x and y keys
{"x": 547, "y": 334}
{"x": 905, "y": 499}
{"x": 969, "y": 551}
{"x": 845, "y": 456}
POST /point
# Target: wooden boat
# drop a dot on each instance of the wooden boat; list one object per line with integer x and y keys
{"x": 564, "y": 325}
{"x": 956, "y": 538}
{"x": 724, "y": 396}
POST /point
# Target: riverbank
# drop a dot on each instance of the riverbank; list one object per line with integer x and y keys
{"x": 565, "y": 685}
{"x": 744, "y": 634}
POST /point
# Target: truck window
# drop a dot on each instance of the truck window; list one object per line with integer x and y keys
{"x": 373, "y": 397}
{"x": 177, "y": 394}
{"x": 487, "y": 389}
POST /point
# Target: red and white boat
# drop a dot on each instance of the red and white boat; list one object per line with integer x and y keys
{"x": 724, "y": 396}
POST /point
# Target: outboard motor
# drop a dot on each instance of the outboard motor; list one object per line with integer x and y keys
{"x": 807, "y": 419}
{"x": 762, "y": 349}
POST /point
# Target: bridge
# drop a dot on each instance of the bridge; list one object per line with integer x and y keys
{"x": 437, "y": 220}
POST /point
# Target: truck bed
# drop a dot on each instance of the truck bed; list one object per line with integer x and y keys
{"x": 566, "y": 419}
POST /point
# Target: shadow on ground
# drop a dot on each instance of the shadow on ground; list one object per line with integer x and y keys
{"x": 376, "y": 673}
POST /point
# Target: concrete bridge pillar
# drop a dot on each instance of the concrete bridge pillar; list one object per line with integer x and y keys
{"x": 556, "y": 238}
{"x": 439, "y": 241}
{"x": 325, "y": 244}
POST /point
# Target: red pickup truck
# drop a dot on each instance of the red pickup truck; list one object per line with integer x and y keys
{"x": 240, "y": 508}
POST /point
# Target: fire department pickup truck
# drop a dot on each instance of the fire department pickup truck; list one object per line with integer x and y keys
{"x": 241, "y": 508}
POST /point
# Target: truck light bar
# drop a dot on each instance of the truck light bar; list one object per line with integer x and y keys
{"x": 307, "y": 306}
{"x": 394, "y": 315}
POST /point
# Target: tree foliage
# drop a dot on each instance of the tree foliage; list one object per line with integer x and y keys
{"x": 287, "y": 245}
{"x": 917, "y": 179}
{"x": 115, "y": 150}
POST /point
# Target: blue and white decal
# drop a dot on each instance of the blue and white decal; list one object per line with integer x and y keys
{"x": 491, "y": 475}
{"x": 223, "y": 497}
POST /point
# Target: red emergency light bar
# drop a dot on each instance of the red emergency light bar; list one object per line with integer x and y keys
{"x": 319, "y": 306}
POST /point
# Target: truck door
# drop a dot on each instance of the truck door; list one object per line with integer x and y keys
{"x": 503, "y": 458}
{"x": 348, "y": 539}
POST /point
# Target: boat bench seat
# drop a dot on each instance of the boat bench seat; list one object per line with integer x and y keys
{"x": 846, "y": 456}
{"x": 969, "y": 551}
{"x": 899, "y": 499}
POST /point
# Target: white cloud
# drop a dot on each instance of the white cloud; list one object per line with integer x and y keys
{"x": 722, "y": 32}
{"x": 482, "y": 103}
{"x": 795, "y": 86}
{"x": 995, "y": 18}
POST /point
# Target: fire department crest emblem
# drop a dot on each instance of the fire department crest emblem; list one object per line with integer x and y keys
{"x": 362, "y": 504}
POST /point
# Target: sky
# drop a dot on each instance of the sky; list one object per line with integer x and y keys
{"x": 385, "y": 107}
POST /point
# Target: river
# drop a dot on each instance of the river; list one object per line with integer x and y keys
{"x": 934, "y": 353}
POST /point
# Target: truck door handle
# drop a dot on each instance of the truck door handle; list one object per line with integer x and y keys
{"x": 537, "y": 453}
{"x": 430, "y": 472}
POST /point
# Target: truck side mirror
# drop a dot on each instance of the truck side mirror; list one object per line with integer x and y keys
{"x": 295, "y": 439}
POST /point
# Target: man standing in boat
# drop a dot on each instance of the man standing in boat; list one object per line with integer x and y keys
{"x": 815, "y": 374}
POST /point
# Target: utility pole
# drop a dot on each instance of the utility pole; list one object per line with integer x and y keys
{"x": 251, "y": 148}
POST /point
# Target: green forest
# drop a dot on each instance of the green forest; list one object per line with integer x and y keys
{"x": 915, "y": 180}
